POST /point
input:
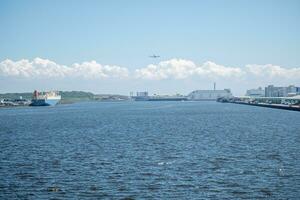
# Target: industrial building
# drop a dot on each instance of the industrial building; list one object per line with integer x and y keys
{"x": 199, "y": 95}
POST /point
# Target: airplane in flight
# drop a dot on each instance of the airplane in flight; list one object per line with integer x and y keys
{"x": 154, "y": 56}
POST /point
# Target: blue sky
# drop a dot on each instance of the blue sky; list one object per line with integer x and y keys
{"x": 125, "y": 33}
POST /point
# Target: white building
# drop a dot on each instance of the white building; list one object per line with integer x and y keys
{"x": 255, "y": 92}
{"x": 198, "y": 95}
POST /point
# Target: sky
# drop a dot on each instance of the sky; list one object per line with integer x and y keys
{"x": 104, "y": 46}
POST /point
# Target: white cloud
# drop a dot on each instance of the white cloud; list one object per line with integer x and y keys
{"x": 214, "y": 70}
{"x": 95, "y": 70}
{"x": 272, "y": 72}
{"x": 49, "y": 69}
{"x": 180, "y": 69}
{"x": 174, "y": 68}
{"x": 170, "y": 69}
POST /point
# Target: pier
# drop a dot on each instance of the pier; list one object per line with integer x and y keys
{"x": 284, "y": 103}
{"x": 277, "y": 106}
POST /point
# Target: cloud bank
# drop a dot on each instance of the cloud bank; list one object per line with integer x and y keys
{"x": 181, "y": 69}
{"x": 175, "y": 69}
{"x": 43, "y": 68}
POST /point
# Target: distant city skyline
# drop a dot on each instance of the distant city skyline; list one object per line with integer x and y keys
{"x": 104, "y": 47}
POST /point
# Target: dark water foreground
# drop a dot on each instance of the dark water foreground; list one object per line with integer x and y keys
{"x": 149, "y": 150}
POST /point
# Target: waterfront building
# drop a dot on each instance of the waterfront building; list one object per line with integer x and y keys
{"x": 198, "y": 95}
{"x": 272, "y": 91}
{"x": 259, "y": 92}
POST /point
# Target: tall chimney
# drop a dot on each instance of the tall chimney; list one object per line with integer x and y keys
{"x": 214, "y": 85}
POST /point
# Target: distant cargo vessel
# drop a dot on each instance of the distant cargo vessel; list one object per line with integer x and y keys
{"x": 45, "y": 99}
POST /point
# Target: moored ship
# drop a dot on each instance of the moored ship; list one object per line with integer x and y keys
{"x": 45, "y": 99}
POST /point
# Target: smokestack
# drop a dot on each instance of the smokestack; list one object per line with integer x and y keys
{"x": 214, "y": 85}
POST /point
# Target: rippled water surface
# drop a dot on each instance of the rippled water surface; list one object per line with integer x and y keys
{"x": 149, "y": 150}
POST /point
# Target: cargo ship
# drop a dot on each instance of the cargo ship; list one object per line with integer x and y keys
{"x": 45, "y": 99}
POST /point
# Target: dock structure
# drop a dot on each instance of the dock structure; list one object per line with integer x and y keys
{"x": 277, "y": 106}
{"x": 285, "y": 103}
{"x": 293, "y": 100}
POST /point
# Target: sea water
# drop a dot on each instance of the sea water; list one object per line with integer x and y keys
{"x": 149, "y": 150}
